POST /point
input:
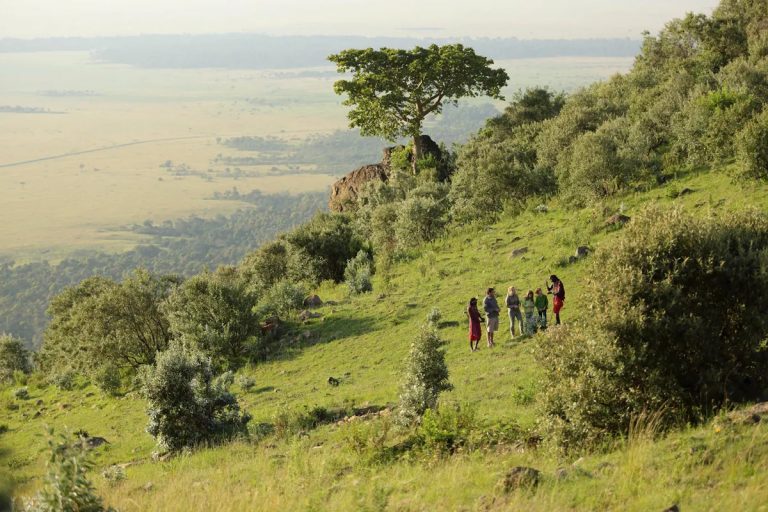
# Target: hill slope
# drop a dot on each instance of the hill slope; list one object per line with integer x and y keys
{"x": 322, "y": 463}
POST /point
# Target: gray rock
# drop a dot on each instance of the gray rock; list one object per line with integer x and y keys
{"x": 516, "y": 253}
{"x": 519, "y": 477}
{"x": 94, "y": 442}
{"x": 313, "y": 301}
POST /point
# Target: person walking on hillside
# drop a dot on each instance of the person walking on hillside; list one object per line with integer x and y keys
{"x": 475, "y": 333}
{"x": 491, "y": 308}
{"x": 541, "y": 308}
{"x": 529, "y": 307}
{"x": 513, "y": 307}
{"x": 558, "y": 290}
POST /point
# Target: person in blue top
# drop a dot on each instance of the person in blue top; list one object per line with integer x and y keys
{"x": 491, "y": 308}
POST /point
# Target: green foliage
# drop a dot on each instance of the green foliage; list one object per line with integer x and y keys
{"x": 63, "y": 379}
{"x": 100, "y": 322}
{"x": 392, "y": 91}
{"x": 671, "y": 332}
{"x": 358, "y": 273}
{"x": 187, "y": 406}
{"x": 323, "y": 246}
{"x": 752, "y": 148}
{"x": 290, "y": 422}
{"x": 265, "y": 266}
{"x": 422, "y": 216}
{"x": 14, "y": 357}
{"x": 107, "y": 378}
{"x": 281, "y": 300}
{"x": 425, "y": 376}
{"x": 21, "y": 393}
{"x": 447, "y": 429}
{"x": 66, "y": 487}
{"x": 213, "y": 313}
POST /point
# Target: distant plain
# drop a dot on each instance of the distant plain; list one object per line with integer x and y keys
{"x": 110, "y": 127}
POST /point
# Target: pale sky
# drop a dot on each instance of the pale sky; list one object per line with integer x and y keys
{"x": 525, "y": 19}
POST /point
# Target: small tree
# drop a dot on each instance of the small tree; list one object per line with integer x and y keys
{"x": 392, "y": 91}
{"x": 13, "y": 357}
{"x": 67, "y": 487}
{"x": 752, "y": 148}
{"x": 669, "y": 331}
{"x": 425, "y": 376}
{"x": 358, "y": 273}
{"x": 213, "y": 313}
{"x": 187, "y": 406}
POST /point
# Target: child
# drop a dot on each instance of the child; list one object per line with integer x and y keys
{"x": 529, "y": 306}
{"x": 542, "y": 304}
{"x": 475, "y": 333}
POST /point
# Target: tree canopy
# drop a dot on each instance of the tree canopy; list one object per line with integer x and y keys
{"x": 392, "y": 91}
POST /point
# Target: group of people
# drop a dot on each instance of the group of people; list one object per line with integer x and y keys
{"x": 534, "y": 306}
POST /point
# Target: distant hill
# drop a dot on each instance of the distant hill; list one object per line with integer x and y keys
{"x": 259, "y": 51}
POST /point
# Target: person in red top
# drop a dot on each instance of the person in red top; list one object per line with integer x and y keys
{"x": 558, "y": 290}
{"x": 475, "y": 332}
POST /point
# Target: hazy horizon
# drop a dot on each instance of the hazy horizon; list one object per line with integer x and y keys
{"x": 548, "y": 19}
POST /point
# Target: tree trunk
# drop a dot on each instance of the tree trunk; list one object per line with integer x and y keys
{"x": 416, "y": 152}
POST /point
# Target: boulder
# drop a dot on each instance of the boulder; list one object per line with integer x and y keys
{"x": 519, "y": 477}
{"x": 344, "y": 192}
{"x": 516, "y": 253}
{"x": 617, "y": 220}
{"x": 313, "y": 301}
{"x": 94, "y": 442}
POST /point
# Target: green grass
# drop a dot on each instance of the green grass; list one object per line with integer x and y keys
{"x": 362, "y": 341}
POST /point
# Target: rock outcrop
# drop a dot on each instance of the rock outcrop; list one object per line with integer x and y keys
{"x": 344, "y": 192}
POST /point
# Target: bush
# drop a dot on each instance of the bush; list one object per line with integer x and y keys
{"x": 434, "y": 316}
{"x": 357, "y": 274}
{"x": 422, "y": 217}
{"x": 292, "y": 422}
{"x": 108, "y": 380}
{"x": 14, "y": 357}
{"x": 66, "y": 487}
{"x": 64, "y": 380}
{"x": 447, "y": 429}
{"x": 245, "y": 382}
{"x": 425, "y": 377}
{"x": 672, "y": 328}
{"x": 21, "y": 393}
{"x": 282, "y": 299}
{"x": 752, "y": 148}
{"x": 187, "y": 406}
{"x": 213, "y": 313}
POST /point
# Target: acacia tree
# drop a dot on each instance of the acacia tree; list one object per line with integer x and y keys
{"x": 392, "y": 91}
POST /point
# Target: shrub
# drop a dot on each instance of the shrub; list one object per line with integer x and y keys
{"x": 292, "y": 422}
{"x": 425, "y": 377}
{"x": 66, "y": 487}
{"x": 113, "y": 475}
{"x": 64, "y": 380}
{"x": 108, "y": 380}
{"x": 422, "y": 216}
{"x": 187, "y": 406}
{"x": 3, "y": 428}
{"x": 282, "y": 299}
{"x": 21, "y": 393}
{"x": 447, "y": 429}
{"x": 671, "y": 329}
{"x": 752, "y": 148}
{"x": 368, "y": 440}
{"x": 14, "y": 357}
{"x": 434, "y": 316}
{"x": 213, "y": 313}
{"x": 245, "y": 382}
{"x": 358, "y": 272}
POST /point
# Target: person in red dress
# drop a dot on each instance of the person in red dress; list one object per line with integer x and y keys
{"x": 558, "y": 290}
{"x": 475, "y": 332}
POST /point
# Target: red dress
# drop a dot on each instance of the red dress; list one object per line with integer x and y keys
{"x": 474, "y": 323}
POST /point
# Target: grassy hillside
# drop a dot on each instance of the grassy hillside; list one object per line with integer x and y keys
{"x": 362, "y": 342}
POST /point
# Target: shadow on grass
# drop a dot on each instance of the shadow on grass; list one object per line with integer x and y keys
{"x": 296, "y": 336}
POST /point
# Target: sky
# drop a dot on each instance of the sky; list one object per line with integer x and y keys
{"x": 525, "y": 19}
